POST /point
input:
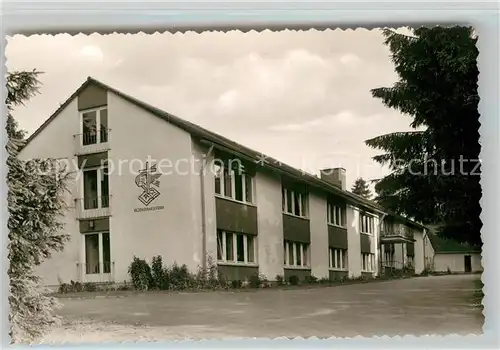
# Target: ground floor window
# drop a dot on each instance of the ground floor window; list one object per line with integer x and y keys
{"x": 236, "y": 247}
{"x": 97, "y": 253}
{"x": 368, "y": 262}
{"x": 296, "y": 254}
{"x": 338, "y": 258}
{"x": 389, "y": 254}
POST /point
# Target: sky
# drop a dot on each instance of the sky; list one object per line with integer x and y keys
{"x": 302, "y": 97}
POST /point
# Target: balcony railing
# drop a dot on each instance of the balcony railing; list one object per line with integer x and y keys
{"x": 97, "y": 272}
{"x": 92, "y": 207}
{"x": 92, "y": 142}
{"x": 384, "y": 232}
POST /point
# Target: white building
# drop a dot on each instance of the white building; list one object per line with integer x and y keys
{"x": 444, "y": 255}
{"x": 146, "y": 184}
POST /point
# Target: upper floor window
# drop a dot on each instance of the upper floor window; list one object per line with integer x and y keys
{"x": 335, "y": 214}
{"x": 294, "y": 202}
{"x": 366, "y": 224}
{"x": 94, "y": 126}
{"x": 233, "y": 182}
{"x": 95, "y": 188}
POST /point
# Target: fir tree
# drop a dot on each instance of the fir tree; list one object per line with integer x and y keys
{"x": 437, "y": 87}
{"x": 35, "y": 204}
{"x": 361, "y": 188}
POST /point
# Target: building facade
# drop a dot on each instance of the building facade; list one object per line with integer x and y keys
{"x": 147, "y": 183}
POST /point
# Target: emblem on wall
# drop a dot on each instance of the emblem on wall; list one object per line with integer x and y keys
{"x": 148, "y": 181}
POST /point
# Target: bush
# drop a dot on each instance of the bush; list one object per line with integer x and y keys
{"x": 280, "y": 280}
{"x": 324, "y": 280}
{"x": 311, "y": 279}
{"x": 77, "y": 286}
{"x": 236, "y": 284}
{"x": 89, "y": 287}
{"x": 64, "y": 288}
{"x": 294, "y": 280}
{"x": 179, "y": 277}
{"x": 160, "y": 278}
{"x": 448, "y": 271}
{"x": 140, "y": 273}
{"x": 254, "y": 281}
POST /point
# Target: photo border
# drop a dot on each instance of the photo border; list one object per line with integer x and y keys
{"x": 35, "y": 17}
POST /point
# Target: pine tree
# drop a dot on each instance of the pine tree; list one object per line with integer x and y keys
{"x": 437, "y": 87}
{"x": 361, "y": 188}
{"x": 35, "y": 205}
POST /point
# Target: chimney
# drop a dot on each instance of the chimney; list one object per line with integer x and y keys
{"x": 335, "y": 176}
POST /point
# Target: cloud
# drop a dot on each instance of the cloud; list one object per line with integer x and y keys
{"x": 91, "y": 52}
{"x": 292, "y": 94}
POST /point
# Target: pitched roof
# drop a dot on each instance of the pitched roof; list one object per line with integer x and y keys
{"x": 223, "y": 143}
{"x": 449, "y": 246}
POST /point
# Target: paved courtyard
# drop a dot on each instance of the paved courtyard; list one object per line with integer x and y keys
{"x": 423, "y": 305}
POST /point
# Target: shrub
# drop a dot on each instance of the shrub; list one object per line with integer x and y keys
{"x": 140, "y": 274}
{"x": 160, "y": 278}
{"x": 179, "y": 277}
{"x": 280, "y": 280}
{"x": 257, "y": 281}
{"x": 236, "y": 284}
{"x": 311, "y": 279}
{"x": 64, "y": 288}
{"x": 76, "y": 286}
{"x": 89, "y": 287}
{"x": 448, "y": 271}
{"x": 294, "y": 280}
{"x": 325, "y": 280}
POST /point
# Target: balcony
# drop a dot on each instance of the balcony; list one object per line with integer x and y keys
{"x": 396, "y": 234}
{"x": 92, "y": 142}
{"x": 92, "y": 207}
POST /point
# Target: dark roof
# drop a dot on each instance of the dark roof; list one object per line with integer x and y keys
{"x": 444, "y": 245}
{"x": 221, "y": 142}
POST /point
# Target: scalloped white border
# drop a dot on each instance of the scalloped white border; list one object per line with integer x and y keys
{"x": 24, "y": 17}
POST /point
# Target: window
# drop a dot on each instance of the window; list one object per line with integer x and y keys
{"x": 94, "y": 126}
{"x": 95, "y": 188}
{"x": 296, "y": 254}
{"x": 366, "y": 224}
{"x": 233, "y": 183}
{"x": 367, "y": 261}
{"x": 97, "y": 253}
{"x": 338, "y": 258}
{"x": 294, "y": 202}
{"x": 335, "y": 215}
{"x": 235, "y": 247}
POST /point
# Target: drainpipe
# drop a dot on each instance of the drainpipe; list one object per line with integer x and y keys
{"x": 423, "y": 241}
{"x": 203, "y": 205}
{"x": 380, "y": 257}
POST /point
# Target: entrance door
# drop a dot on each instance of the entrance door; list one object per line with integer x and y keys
{"x": 467, "y": 263}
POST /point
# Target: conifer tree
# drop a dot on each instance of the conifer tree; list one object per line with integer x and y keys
{"x": 361, "y": 188}
{"x": 435, "y": 168}
{"x": 35, "y": 202}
